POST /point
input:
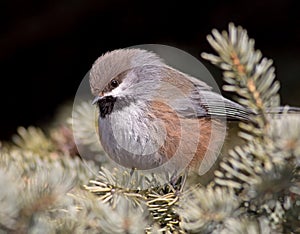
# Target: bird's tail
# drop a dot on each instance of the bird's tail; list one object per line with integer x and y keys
{"x": 283, "y": 109}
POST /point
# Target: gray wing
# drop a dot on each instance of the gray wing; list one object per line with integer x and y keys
{"x": 198, "y": 100}
{"x": 206, "y": 103}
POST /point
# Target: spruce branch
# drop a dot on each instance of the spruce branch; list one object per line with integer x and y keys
{"x": 255, "y": 190}
{"x": 241, "y": 225}
{"x": 34, "y": 140}
{"x": 162, "y": 203}
{"x": 247, "y": 74}
{"x": 206, "y": 209}
{"x": 85, "y": 131}
{"x": 264, "y": 172}
{"x": 109, "y": 186}
{"x": 158, "y": 200}
{"x": 37, "y": 182}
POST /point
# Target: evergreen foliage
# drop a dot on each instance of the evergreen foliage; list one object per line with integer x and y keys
{"x": 47, "y": 188}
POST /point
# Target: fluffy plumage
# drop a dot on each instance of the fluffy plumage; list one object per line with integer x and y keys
{"x": 159, "y": 114}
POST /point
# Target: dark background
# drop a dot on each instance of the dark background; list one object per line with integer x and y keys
{"x": 46, "y": 47}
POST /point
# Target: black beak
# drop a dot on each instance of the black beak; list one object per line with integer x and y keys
{"x": 96, "y": 99}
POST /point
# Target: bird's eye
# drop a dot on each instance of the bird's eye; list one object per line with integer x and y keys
{"x": 114, "y": 83}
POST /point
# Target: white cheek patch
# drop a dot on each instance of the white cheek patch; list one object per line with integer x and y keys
{"x": 123, "y": 86}
{"x": 116, "y": 91}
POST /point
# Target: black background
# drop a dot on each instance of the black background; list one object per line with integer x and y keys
{"x": 46, "y": 47}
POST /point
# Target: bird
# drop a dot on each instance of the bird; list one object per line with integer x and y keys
{"x": 153, "y": 116}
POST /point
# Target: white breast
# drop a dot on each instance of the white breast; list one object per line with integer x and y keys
{"x": 131, "y": 138}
